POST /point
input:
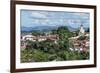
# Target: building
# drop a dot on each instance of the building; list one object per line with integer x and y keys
{"x": 38, "y": 38}
{"x": 77, "y": 44}
{"x": 41, "y": 38}
{"x": 23, "y": 45}
{"x": 28, "y": 37}
{"x": 81, "y": 31}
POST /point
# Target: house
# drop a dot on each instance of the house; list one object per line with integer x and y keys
{"x": 54, "y": 38}
{"x": 29, "y": 37}
{"x": 40, "y": 37}
{"x": 23, "y": 45}
{"x": 80, "y": 45}
{"x": 47, "y": 37}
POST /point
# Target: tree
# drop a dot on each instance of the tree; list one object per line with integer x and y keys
{"x": 64, "y": 34}
{"x": 36, "y": 33}
{"x": 88, "y": 30}
{"x": 82, "y": 38}
{"x": 54, "y": 31}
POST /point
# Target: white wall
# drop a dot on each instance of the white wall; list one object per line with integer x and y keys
{"x": 5, "y": 37}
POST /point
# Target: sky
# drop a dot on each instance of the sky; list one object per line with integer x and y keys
{"x": 33, "y": 18}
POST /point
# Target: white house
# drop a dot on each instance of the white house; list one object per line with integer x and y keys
{"x": 41, "y": 38}
{"x": 29, "y": 37}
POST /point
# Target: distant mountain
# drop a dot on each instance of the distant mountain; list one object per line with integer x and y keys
{"x": 72, "y": 29}
{"x": 47, "y": 28}
{"x": 26, "y": 29}
{"x": 38, "y": 28}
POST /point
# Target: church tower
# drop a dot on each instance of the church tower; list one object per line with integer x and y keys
{"x": 81, "y": 30}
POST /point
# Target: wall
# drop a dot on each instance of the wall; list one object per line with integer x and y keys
{"x": 5, "y": 36}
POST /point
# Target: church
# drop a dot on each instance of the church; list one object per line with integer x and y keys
{"x": 78, "y": 44}
{"x": 81, "y": 31}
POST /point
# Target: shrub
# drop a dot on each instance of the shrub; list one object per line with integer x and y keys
{"x": 82, "y": 38}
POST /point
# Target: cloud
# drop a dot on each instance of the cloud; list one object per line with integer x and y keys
{"x": 81, "y": 15}
{"x": 41, "y": 21}
{"x": 59, "y": 18}
{"x": 38, "y": 15}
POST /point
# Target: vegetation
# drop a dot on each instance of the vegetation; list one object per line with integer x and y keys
{"x": 49, "y": 51}
{"x": 82, "y": 37}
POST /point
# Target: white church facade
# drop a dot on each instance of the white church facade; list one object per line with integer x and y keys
{"x": 81, "y": 31}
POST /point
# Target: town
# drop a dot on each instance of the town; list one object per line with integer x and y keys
{"x": 58, "y": 41}
{"x": 79, "y": 45}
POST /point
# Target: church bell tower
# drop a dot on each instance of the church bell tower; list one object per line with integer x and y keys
{"x": 81, "y": 30}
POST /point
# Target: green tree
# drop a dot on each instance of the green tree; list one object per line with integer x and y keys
{"x": 64, "y": 35}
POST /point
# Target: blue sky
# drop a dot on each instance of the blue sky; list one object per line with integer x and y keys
{"x": 32, "y": 18}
